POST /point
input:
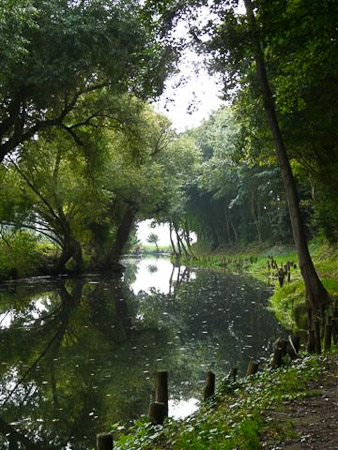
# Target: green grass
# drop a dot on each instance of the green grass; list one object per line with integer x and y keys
{"x": 288, "y": 302}
{"x": 238, "y": 415}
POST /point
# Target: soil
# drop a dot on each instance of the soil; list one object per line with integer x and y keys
{"x": 309, "y": 423}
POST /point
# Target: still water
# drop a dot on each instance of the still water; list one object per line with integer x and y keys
{"x": 77, "y": 355}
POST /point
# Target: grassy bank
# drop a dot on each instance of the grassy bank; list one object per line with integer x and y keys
{"x": 242, "y": 414}
{"x": 239, "y": 416}
{"x": 288, "y": 302}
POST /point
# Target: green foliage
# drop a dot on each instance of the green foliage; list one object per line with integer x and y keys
{"x": 55, "y": 54}
{"x": 236, "y": 417}
{"x": 20, "y": 254}
{"x": 231, "y": 202}
{"x": 153, "y": 239}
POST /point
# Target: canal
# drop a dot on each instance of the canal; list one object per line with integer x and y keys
{"x": 78, "y": 354}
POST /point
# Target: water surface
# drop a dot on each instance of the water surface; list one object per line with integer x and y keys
{"x": 78, "y": 355}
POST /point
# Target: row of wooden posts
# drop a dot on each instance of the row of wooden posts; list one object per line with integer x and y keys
{"x": 283, "y": 272}
{"x": 158, "y": 409}
{"x": 224, "y": 260}
{"x": 329, "y": 331}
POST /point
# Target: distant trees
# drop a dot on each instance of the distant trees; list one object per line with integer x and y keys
{"x": 153, "y": 238}
{"x": 277, "y": 54}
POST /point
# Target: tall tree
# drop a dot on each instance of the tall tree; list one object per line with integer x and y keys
{"x": 316, "y": 294}
{"x": 234, "y": 43}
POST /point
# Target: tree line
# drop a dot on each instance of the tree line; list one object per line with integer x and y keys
{"x": 84, "y": 156}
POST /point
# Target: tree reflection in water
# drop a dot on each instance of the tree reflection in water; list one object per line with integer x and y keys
{"x": 78, "y": 354}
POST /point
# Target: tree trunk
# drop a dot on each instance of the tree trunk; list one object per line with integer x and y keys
{"x": 178, "y": 240}
{"x": 187, "y": 238}
{"x": 316, "y": 294}
{"x": 171, "y": 239}
{"x": 255, "y": 216}
{"x": 122, "y": 235}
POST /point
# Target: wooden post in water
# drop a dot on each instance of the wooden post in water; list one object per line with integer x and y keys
{"x": 328, "y": 335}
{"x": 317, "y": 337}
{"x": 161, "y": 386}
{"x": 209, "y": 389}
{"x": 311, "y": 343}
{"x": 252, "y": 368}
{"x": 104, "y": 441}
{"x": 157, "y": 413}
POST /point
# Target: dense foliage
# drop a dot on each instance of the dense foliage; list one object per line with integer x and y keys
{"x": 85, "y": 157}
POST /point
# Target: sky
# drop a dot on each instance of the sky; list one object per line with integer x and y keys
{"x": 191, "y": 102}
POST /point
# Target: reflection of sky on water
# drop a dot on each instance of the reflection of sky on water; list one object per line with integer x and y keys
{"x": 183, "y": 408}
{"x": 40, "y": 306}
{"x": 155, "y": 274}
{"x": 96, "y": 342}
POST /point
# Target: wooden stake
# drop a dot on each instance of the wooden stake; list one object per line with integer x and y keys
{"x": 334, "y": 323}
{"x": 317, "y": 337}
{"x": 157, "y": 413}
{"x": 311, "y": 343}
{"x": 209, "y": 389}
{"x": 233, "y": 374}
{"x": 252, "y": 368}
{"x": 104, "y": 441}
{"x": 161, "y": 386}
{"x": 328, "y": 336}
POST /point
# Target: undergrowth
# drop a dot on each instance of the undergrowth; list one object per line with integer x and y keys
{"x": 237, "y": 416}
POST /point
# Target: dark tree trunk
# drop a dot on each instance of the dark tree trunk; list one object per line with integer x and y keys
{"x": 171, "y": 239}
{"x": 233, "y": 228}
{"x": 187, "y": 238}
{"x": 178, "y": 240}
{"x": 182, "y": 244}
{"x": 316, "y": 294}
{"x": 254, "y": 214}
{"x": 122, "y": 235}
{"x": 71, "y": 249}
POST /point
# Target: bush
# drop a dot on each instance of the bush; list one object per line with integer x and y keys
{"x": 19, "y": 254}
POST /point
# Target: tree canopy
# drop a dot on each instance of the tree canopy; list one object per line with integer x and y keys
{"x": 55, "y": 54}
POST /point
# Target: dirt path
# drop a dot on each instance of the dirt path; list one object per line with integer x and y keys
{"x": 309, "y": 423}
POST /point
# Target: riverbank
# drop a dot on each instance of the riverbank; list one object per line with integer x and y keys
{"x": 255, "y": 413}
{"x": 287, "y": 301}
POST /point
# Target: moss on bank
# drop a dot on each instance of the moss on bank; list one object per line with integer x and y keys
{"x": 238, "y": 415}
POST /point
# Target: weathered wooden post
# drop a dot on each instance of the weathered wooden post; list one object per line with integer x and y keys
{"x": 252, "y": 368}
{"x": 161, "y": 389}
{"x": 277, "y": 354}
{"x": 317, "y": 337}
{"x": 233, "y": 374}
{"x": 334, "y": 324}
{"x": 277, "y": 357}
{"x": 157, "y": 413}
{"x": 281, "y": 277}
{"x": 104, "y": 441}
{"x": 311, "y": 343}
{"x": 328, "y": 335}
{"x": 209, "y": 389}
